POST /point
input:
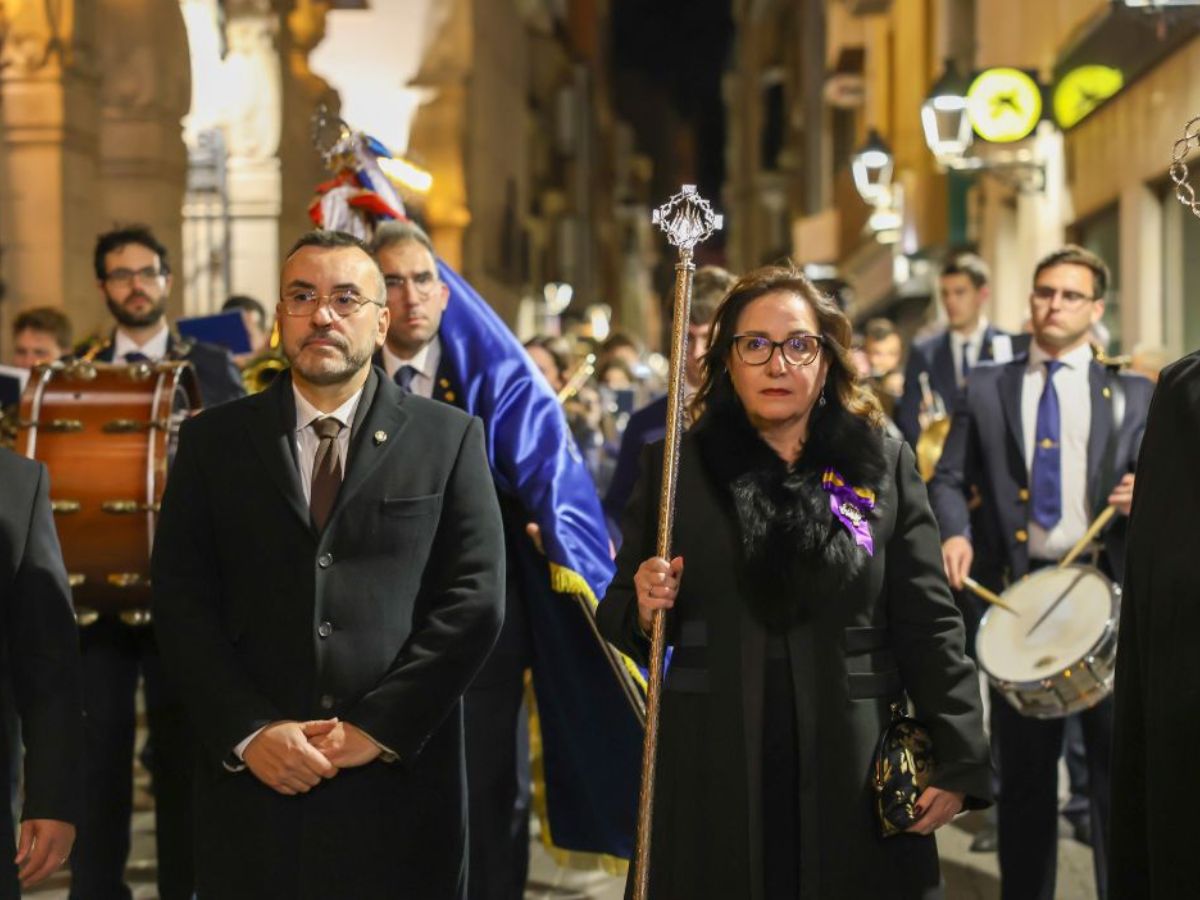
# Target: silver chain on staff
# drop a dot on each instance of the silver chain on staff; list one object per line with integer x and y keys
{"x": 1179, "y": 170}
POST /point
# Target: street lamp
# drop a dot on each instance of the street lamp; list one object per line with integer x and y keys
{"x": 944, "y": 117}
{"x": 950, "y": 133}
{"x": 872, "y": 169}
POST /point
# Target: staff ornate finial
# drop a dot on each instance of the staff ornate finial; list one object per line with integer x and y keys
{"x": 1179, "y": 170}
{"x": 688, "y": 219}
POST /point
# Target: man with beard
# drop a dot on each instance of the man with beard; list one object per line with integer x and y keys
{"x": 134, "y": 278}
{"x": 342, "y": 645}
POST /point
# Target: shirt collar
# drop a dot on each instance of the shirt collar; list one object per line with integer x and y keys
{"x": 425, "y": 361}
{"x": 975, "y": 338}
{"x": 306, "y": 413}
{"x": 154, "y": 349}
{"x": 1079, "y": 358}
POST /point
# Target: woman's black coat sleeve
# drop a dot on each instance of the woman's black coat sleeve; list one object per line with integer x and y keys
{"x": 617, "y": 614}
{"x": 929, "y": 642}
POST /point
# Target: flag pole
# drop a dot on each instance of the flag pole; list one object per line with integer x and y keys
{"x": 687, "y": 219}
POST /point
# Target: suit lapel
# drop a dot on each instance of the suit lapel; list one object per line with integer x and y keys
{"x": 1011, "y": 383}
{"x": 271, "y": 421}
{"x": 378, "y": 421}
{"x": 1098, "y": 434}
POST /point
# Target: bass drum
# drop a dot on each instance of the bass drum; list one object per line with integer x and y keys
{"x": 107, "y": 434}
{"x": 1057, "y": 655}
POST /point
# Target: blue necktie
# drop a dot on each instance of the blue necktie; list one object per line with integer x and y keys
{"x": 403, "y": 378}
{"x": 1047, "y": 455}
{"x": 136, "y": 356}
{"x": 966, "y": 362}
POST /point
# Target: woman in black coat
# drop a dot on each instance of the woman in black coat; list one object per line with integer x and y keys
{"x": 814, "y": 598}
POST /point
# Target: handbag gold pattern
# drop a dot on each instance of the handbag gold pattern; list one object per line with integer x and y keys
{"x": 904, "y": 767}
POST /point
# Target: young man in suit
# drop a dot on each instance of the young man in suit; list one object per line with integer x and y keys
{"x": 328, "y": 577}
{"x": 1158, "y": 679}
{"x": 133, "y": 276}
{"x": 649, "y": 423}
{"x": 41, "y": 662}
{"x": 969, "y": 339}
{"x": 1042, "y": 444}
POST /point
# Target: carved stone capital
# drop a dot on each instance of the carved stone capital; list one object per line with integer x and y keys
{"x": 39, "y": 38}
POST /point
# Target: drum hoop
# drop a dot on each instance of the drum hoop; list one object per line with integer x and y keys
{"x": 1110, "y": 625}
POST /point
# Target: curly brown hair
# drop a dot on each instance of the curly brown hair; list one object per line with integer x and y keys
{"x": 842, "y": 386}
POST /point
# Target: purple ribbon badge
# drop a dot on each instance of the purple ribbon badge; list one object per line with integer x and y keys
{"x": 851, "y": 505}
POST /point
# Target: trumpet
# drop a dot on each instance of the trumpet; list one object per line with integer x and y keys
{"x": 578, "y": 378}
{"x": 935, "y": 425}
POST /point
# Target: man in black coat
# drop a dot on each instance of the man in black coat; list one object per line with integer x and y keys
{"x": 969, "y": 339}
{"x": 1158, "y": 679}
{"x": 133, "y": 276}
{"x": 41, "y": 658}
{"x": 1039, "y": 446}
{"x": 323, "y": 620}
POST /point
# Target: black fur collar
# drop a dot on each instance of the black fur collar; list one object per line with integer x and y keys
{"x": 794, "y": 550}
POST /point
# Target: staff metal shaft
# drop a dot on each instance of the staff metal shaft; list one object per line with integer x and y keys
{"x": 687, "y": 219}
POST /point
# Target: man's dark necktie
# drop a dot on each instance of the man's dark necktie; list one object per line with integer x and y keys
{"x": 327, "y": 470}
{"x": 966, "y": 361}
{"x": 404, "y": 378}
{"x": 1047, "y": 455}
{"x": 136, "y": 356}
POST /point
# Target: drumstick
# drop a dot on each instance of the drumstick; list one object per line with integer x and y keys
{"x": 994, "y": 599}
{"x": 1094, "y": 529}
{"x": 1059, "y": 599}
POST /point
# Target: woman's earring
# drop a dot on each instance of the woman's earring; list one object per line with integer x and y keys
{"x": 821, "y": 401}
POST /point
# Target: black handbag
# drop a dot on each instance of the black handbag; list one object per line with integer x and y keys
{"x": 904, "y": 766}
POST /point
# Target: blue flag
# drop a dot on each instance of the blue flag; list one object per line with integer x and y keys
{"x": 591, "y": 736}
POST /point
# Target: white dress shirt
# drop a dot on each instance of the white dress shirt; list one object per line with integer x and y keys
{"x": 154, "y": 349}
{"x": 307, "y": 440}
{"x": 974, "y": 345}
{"x": 1073, "y": 386}
{"x": 425, "y": 362}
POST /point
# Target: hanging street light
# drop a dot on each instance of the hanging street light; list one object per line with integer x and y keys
{"x": 872, "y": 168}
{"x": 944, "y": 116}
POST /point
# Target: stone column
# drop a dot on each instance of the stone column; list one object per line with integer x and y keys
{"x": 254, "y": 123}
{"x": 48, "y": 128}
{"x": 145, "y": 91}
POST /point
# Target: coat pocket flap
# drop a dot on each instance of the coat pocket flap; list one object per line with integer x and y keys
{"x": 410, "y": 506}
{"x": 865, "y": 638}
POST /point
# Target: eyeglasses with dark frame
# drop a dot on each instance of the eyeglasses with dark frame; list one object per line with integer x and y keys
{"x": 424, "y": 283}
{"x": 343, "y": 302}
{"x": 797, "y": 349}
{"x": 126, "y": 276}
{"x": 1044, "y": 293}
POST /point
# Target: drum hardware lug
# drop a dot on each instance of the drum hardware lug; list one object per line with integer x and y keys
{"x": 55, "y": 426}
{"x": 75, "y": 579}
{"x": 131, "y": 426}
{"x": 85, "y": 616}
{"x": 135, "y": 618}
{"x": 127, "y": 579}
{"x": 65, "y": 507}
{"x": 139, "y": 371}
{"x": 127, "y": 507}
{"x": 79, "y": 370}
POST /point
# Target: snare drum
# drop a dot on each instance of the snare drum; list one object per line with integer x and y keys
{"x": 1058, "y": 655}
{"x": 106, "y": 433}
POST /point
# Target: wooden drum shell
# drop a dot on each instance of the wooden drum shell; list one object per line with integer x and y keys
{"x": 106, "y": 433}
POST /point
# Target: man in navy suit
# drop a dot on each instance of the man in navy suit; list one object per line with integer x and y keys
{"x": 969, "y": 339}
{"x": 1040, "y": 445}
{"x": 133, "y": 276}
{"x": 649, "y": 423}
